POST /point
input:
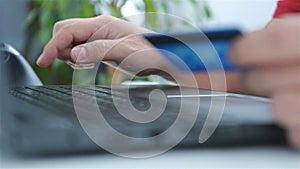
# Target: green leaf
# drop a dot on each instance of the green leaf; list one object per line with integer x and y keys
{"x": 204, "y": 13}
{"x": 149, "y": 6}
{"x": 62, "y": 9}
{"x": 165, "y": 7}
{"x": 102, "y": 78}
{"x": 87, "y": 9}
{"x": 43, "y": 73}
{"x": 122, "y": 4}
{"x": 45, "y": 17}
{"x": 115, "y": 12}
{"x": 140, "y": 78}
{"x": 83, "y": 77}
{"x": 37, "y": 2}
{"x": 62, "y": 71}
{"x": 31, "y": 18}
{"x": 207, "y": 11}
{"x": 151, "y": 17}
{"x": 114, "y": 9}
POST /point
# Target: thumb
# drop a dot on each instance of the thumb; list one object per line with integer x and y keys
{"x": 95, "y": 51}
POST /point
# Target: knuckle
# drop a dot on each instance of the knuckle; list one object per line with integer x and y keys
{"x": 67, "y": 29}
{"x": 58, "y": 25}
{"x": 106, "y": 18}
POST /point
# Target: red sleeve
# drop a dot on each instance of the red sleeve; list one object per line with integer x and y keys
{"x": 287, "y": 6}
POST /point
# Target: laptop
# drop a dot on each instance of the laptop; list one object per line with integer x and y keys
{"x": 38, "y": 120}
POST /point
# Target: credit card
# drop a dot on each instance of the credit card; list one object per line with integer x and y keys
{"x": 197, "y": 51}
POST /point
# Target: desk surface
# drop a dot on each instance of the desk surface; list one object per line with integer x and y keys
{"x": 250, "y": 157}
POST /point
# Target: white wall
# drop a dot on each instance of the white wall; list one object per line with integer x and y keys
{"x": 248, "y": 14}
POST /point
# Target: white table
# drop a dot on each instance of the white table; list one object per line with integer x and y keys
{"x": 247, "y": 157}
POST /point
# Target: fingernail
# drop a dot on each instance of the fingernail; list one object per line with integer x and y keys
{"x": 79, "y": 53}
{"x": 38, "y": 61}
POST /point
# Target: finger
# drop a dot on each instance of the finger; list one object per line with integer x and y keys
{"x": 286, "y": 108}
{"x": 68, "y": 34}
{"x": 110, "y": 28}
{"x": 132, "y": 53}
{"x": 109, "y": 50}
{"x": 62, "y": 40}
{"x": 60, "y": 24}
{"x": 65, "y": 54}
{"x": 94, "y": 51}
{"x": 277, "y": 44}
{"x": 264, "y": 81}
{"x": 294, "y": 139}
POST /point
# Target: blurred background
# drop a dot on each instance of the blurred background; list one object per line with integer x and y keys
{"x": 27, "y": 24}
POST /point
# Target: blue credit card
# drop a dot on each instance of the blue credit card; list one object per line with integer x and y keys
{"x": 197, "y": 51}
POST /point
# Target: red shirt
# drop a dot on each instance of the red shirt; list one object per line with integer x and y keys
{"x": 287, "y": 6}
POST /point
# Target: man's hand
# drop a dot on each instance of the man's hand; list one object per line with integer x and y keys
{"x": 106, "y": 38}
{"x": 272, "y": 57}
{"x": 102, "y": 38}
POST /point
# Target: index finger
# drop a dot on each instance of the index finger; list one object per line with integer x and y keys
{"x": 67, "y": 36}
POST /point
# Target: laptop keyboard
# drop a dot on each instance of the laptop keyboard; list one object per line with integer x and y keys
{"x": 59, "y": 99}
{"x": 62, "y": 96}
